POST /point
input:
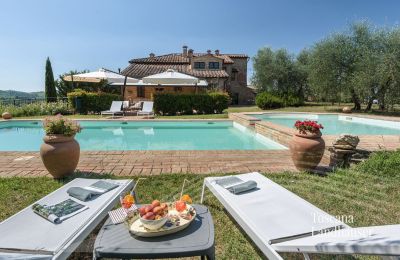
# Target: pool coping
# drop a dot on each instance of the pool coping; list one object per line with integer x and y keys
{"x": 283, "y": 134}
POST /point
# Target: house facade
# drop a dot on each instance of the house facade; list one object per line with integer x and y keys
{"x": 224, "y": 72}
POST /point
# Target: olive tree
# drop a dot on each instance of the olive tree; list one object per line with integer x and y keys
{"x": 278, "y": 72}
{"x": 331, "y": 69}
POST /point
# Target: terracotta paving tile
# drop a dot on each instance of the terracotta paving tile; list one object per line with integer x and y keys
{"x": 134, "y": 163}
{"x": 156, "y": 171}
{"x": 135, "y": 172}
{"x": 166, "y": 170}
{"x": 146, "y": 171}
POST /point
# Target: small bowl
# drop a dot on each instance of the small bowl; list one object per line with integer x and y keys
{"x": 154, "y": 224}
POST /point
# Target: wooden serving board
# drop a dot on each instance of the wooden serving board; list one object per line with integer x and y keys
{"x": 170, "y": 227}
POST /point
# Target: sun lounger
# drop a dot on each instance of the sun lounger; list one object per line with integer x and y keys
{"x": 26, "y": 235}
{"x": 115, "y": 109}
{"x": 277, "y": 220}
{"x": 147, "y": 109}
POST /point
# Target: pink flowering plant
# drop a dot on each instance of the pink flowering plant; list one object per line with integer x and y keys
{"x": 59, "y": 125}
{"x": 308, "y": 126}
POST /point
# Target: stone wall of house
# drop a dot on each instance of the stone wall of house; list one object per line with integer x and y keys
{"x": 237, "y": 82}
{"x": 206, "y": 59}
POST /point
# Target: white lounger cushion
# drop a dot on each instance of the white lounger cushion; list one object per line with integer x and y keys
{"x": 147, "y": 108}
{"x": 27, "y": 232}
{"x": 115, "y": 108}
{"x": 272, "y": 211}
{"x": 377, "y": 240}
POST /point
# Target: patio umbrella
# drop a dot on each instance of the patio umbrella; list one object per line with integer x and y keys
{"x": 103, "y": 74}
{"x": 171, "y": 77}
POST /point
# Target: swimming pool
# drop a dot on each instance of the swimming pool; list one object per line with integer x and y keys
{"x": 142, "y": 135}
{"x": 337, "y": 124}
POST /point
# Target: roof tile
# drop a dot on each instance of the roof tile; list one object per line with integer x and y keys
{"x": 143, "y": 70}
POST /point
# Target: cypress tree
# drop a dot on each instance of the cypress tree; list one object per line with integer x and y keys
{"x": 50, "y": 87}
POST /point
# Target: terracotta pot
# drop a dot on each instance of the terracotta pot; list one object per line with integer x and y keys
{"x": 307, "y": 150}
{"x": 60, "y": 154}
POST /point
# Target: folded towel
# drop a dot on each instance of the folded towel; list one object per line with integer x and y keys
{"x": 81, "y": 193}
{"x": 243, "y": 187}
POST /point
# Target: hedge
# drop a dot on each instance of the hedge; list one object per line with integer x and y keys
{"x": 36, "y": 109}
{"x": 207, "y": 103}
{"x": 94, "y": 102}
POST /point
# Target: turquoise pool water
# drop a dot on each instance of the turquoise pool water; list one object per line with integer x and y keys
{"x": 149, "y": 135}
{"x": 337, "y": 124}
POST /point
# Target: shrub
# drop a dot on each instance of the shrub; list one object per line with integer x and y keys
{"x": 221, "y": 101}
{"x": 265, "y": 100}
{"x": 207, "y": 103}
{"x": 37, "y": 109}
{"x": 292, "y": 101}
{"x": 58, "y": 125}
{"x": 382, "y": 163}
{"x": 91, "y": 101}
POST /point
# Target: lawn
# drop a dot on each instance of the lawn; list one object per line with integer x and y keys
{"x": 369, "y": 192}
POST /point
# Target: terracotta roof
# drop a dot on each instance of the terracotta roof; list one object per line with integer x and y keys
{"x": 178, "y": 58}
{"x": 142, "y": 67}
{"x": 237, "y": 55}
{"x": 168, "y": 58}
{"x": 209, "y": 73}
{"x": 143, "y": 70}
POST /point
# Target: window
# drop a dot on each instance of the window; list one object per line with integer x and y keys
{"x": 213, "y": 65}
{"x": 234, "y": 74}
{"x": 159, "y": 89}
{"x": 199, "y": 65}
{"x": 140, "y": 91}
{"x": 178, "y": 89}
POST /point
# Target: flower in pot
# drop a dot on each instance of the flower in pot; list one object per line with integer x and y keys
{"x": 307, "y": 147}
{"x": 60, "y": 151}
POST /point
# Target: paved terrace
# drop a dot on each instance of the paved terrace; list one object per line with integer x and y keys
{"x": 133, "y": 163}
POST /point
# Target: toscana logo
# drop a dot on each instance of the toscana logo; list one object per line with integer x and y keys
{"x": 337, "y": 230}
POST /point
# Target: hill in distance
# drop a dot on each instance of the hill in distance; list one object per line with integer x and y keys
{"x": 13, "y": 94}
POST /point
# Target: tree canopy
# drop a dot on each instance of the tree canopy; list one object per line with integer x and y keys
{"x": 361, "y": 64}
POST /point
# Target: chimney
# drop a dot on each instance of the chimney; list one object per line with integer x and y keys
{"x": 185, "y": 51}
{"x": 216, "y": 52}
{"x": 208, "y": 51}
{"x": 190, "y": 53}
{"x": 152, "y": 55}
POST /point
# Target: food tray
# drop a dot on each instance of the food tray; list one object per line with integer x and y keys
{"x": 172, "y": 225}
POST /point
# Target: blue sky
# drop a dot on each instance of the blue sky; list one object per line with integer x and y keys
{"x": 92, "y": 34}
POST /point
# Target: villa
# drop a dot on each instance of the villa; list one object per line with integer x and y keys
{"x": 224, "y": 72}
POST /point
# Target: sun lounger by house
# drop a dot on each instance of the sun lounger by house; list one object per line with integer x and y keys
{"x": 277, "y": 220}
{"x": 26, "y": 235}
{"x": 147, "y": 109}
{"x": 115, "y": 109}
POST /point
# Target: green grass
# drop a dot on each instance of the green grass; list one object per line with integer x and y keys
{"x": 369, "y": 193}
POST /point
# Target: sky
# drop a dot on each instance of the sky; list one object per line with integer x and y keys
{"x": 89, "y": 34}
